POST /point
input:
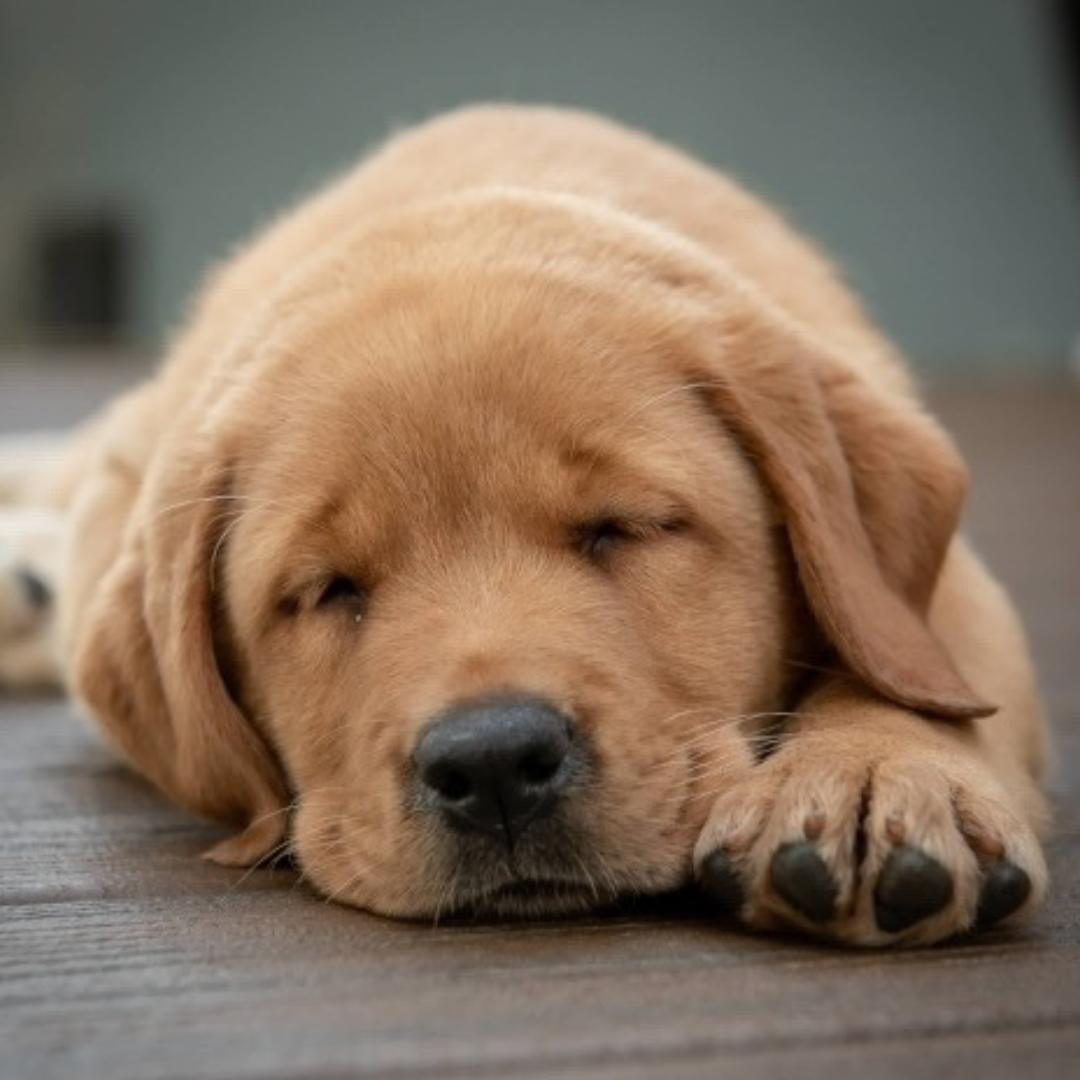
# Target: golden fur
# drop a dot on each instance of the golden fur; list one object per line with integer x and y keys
{"x": 431, "y": 382}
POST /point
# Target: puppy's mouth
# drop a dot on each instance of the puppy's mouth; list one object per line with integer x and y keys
{"x": 551, "y": 871}
{"x": 529, "y": 898}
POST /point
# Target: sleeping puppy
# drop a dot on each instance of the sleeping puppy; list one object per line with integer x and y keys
{"x": 532, "y": 518}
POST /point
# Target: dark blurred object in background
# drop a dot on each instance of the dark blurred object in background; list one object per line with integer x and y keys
{"x": 81, "y": 279}
{"x": 933, "y": 148}
{"x": 1068, "y": 37}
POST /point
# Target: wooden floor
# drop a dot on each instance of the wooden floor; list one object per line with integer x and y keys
{"x": 122, "y": 955}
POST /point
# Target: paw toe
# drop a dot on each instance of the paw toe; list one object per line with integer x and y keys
{"x": 721, "y": 881}
{"x": 1005, "y": 889}
{"x": 800, "y": 876}
{"x": 912, "y": 886}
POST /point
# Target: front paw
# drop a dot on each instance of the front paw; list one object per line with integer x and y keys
{"x": 28, "y": 652}
{"x": 838, "y": 839}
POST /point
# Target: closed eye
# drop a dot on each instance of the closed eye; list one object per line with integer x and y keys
{"x": 598, "y": 540}
{"x": 339, "y": 591}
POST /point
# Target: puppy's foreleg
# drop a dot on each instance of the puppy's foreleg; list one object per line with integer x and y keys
{"x": 31, "y": 539}
{"x": 873, "y": 825}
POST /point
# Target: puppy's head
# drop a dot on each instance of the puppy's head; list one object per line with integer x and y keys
{"x": 487, "y": 546}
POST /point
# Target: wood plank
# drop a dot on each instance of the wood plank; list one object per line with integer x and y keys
{"x": 123, "y": 955}
{"x": 335, "y": 989}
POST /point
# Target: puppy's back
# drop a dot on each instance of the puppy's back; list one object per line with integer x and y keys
{"x": 554, "y": 150}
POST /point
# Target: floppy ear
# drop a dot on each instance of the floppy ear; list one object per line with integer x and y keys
{"x": 871, "y": 491}
{"x": 145, "y": 664}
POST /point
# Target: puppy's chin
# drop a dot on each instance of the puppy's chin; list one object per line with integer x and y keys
{"x": 523, "y": 898}
{"x": 502, "y": 897}
{"x": 552, "y": 871}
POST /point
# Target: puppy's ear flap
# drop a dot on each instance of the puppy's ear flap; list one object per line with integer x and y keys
{"x": 871, "y": 491}
{"x": 144, "y": 663}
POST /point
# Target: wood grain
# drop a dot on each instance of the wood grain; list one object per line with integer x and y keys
{"x": 123, "y": 955}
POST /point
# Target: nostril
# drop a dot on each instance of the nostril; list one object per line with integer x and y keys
{"x": 452, "y": 785}
{"x": 539, "y": 768}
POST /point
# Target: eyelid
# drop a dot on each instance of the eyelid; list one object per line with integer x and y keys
{"x": 324, "y": 592}
{"x": 645, "y": 528}
{"x": 340, "y": 589}
{"x": 640, "y": 525}
{"x": 595, "y": 537}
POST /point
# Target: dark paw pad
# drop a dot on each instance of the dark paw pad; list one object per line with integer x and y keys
{"x": 911, "y": 886}
{"x": 37, "y": 592}
{"x": 1006, "y": 887}
{"x": 800, "y": 876}
{"x": 720, "y": 880}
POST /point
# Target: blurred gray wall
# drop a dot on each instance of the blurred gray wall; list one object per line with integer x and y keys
{"x": 923, "y": 142}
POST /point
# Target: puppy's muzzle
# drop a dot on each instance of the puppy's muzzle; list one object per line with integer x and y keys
{"x": 497, "y": 766}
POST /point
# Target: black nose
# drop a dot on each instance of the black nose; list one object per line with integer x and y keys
{"x": 498, "y": 765}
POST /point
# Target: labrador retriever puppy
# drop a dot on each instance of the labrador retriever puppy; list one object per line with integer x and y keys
{"x": 532, "y": 518}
